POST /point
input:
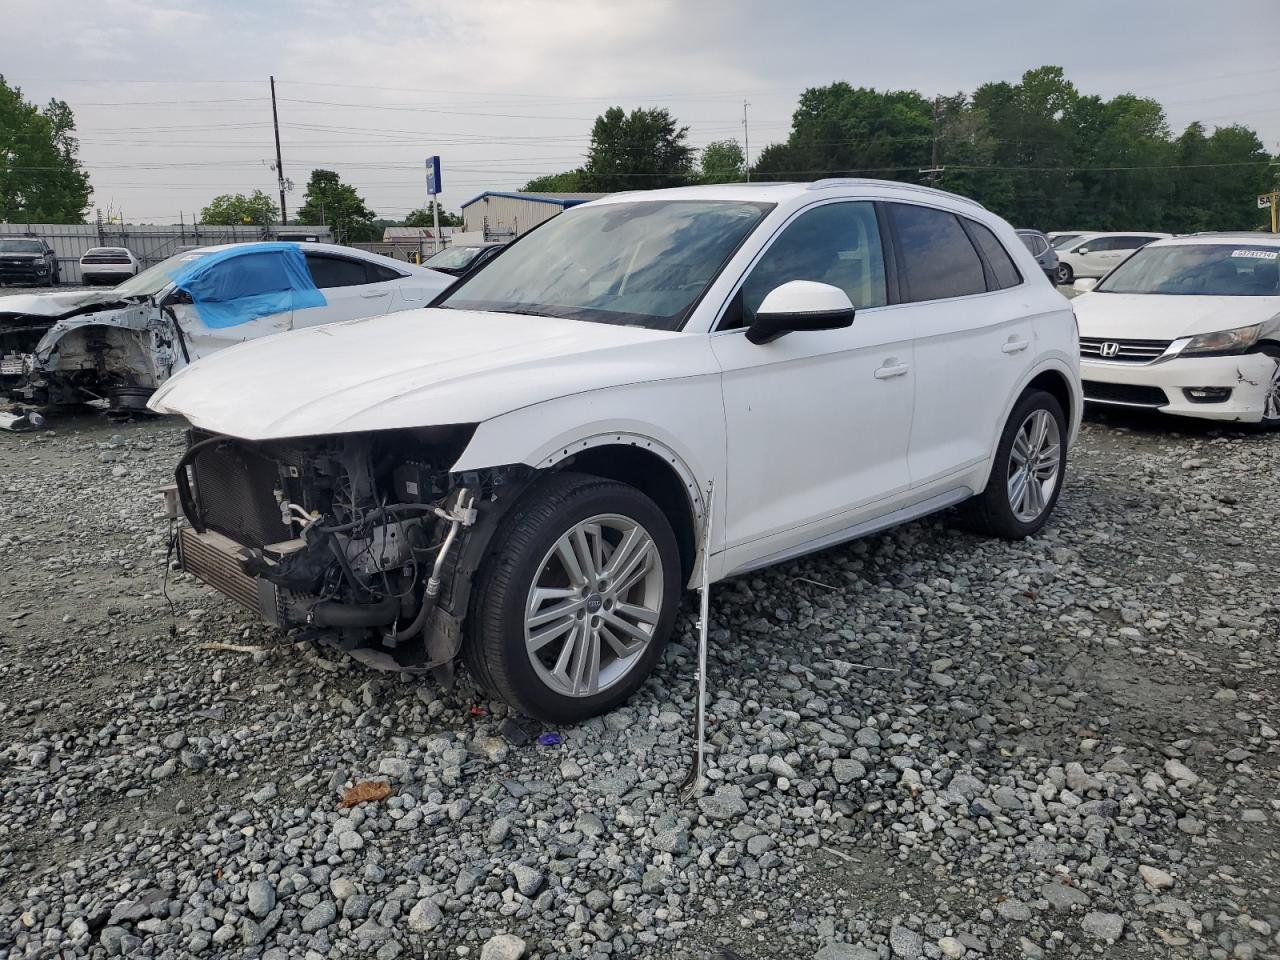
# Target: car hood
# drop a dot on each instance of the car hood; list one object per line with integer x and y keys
{"x": 414, "y": 368}
{"x": 1128, "y": 316}
{"x": 53, "y": 304}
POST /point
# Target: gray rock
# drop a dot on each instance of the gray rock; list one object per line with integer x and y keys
{"x": 319, "y": 916}
{"x": 261, "y": 898}
{"x": 905, "y": 943}
{"x": 529, "y": 880}
{"x": 846, "y": 951}
{"x": 504, "y": 946}
{"x": 1103, "y": 926}
{"x": 425, "y": 916}
{"x": 1063, "y": 897}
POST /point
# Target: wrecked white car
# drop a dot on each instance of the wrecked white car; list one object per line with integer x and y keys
{"x": 120, "y": 344}
{"x": 520, "y": 474}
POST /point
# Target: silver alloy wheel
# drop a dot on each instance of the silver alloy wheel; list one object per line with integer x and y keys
{"x": 594, "y": 606}
{"x": 1034, "y": 465}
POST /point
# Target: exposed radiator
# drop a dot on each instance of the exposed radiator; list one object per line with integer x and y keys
{"x": 215, "y": 559}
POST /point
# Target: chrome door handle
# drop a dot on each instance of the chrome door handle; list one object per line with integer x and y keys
{"x": 374, "y": 294}
{"x": 1015, "y": 346}
{"x": 889, "y": 371}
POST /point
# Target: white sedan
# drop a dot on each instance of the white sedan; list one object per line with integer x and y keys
{"x": 1189, "y": 326}
{"x": 121, "y": 344}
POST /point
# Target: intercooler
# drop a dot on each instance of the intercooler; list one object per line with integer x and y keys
{"x": 216, "y": 560}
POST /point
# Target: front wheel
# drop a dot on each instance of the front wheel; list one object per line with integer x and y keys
{"x": 1271, "y": 402}
{"x": 576, "y": 599}
{"x": 1026, "y": 478}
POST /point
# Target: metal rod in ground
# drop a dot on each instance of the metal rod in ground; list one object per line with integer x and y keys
{"x": 693, "y": 783}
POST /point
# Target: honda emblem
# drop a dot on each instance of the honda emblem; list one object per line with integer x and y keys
{"x": 1109, "y": 349}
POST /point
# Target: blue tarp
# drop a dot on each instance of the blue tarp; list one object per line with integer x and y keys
{"x": 265, "y": 278}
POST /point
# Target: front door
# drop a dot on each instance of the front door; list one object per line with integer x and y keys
{"x": 817, "y": 422}
{"x": 352, "y": 288}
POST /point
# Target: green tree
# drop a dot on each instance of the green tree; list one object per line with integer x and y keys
{"x": 234, "y": 208}
{"x": 329, "y": 201}
{"x": 41, "y": 179}
{"x": 570, "y": 181}
{"x": 722, "y": 162}
{"x": 422, "y": 217}
{"x": 642, "y": 150}
{"x": 843, "y": 131}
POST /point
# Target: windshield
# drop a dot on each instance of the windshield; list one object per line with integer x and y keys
{"x": 21, "y": 246}
{"x": 1065, "y": 239}
{"x": 1202, "y": 269}
{"x": 453, "y": 258}
{"x": 154, "y": 279}
{"x": 644, "y": 263}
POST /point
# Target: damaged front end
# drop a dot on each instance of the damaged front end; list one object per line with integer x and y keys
{"x": 93, "y": 348}
{"x": 368, "y": 537}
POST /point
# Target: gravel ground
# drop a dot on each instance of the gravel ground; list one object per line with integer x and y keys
{"x": 926, "y": 745}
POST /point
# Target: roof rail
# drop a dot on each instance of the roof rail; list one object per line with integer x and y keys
{"x": 896, "y": 184}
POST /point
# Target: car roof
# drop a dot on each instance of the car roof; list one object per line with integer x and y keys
{"x": 1221, "y": 239}
{"x": 311, "y": 246}
{"x": 784, "y": 192}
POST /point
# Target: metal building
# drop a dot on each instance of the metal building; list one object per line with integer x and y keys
{"x": 504, "y": 216}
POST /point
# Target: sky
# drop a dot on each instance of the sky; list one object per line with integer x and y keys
{"x": 173, "y": 106}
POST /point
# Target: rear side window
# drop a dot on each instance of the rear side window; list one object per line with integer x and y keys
{"x": 379, "y": 274}
{"x": 1004, "y": 273}
{"x": 937, "y": 259}
{"x": 336, "y": 271}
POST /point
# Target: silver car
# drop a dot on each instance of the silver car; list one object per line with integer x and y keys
{"x": 1042, "y": 250}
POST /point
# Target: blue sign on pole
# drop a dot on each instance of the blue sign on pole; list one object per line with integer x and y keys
{"x": 433, "y": 176}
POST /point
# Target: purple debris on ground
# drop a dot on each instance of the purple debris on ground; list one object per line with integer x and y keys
{"x": 550, "y": 740}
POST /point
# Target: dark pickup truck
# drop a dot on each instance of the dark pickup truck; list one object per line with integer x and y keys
{"x": 28, "y": 260}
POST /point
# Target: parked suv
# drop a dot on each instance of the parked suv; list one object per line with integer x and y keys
{"x": 520, "y": 474}
{"x": 1040, "y": 248}
{"x": 28, "y": 260}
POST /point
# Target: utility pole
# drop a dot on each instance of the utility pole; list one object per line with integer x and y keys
{"x": 934, "y": 170}
{"x": 746, "y": 141}
{"x": 275, "y": 122}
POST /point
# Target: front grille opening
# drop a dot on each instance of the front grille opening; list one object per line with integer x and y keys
{"x": 1139, "y": 396}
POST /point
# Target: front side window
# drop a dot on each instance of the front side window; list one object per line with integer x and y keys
{"x": 638, "y": 263}
{"x": 1064, "y": 241}
{"x": 327, "y": 272}
{"x": 837, "y": 244}
{"x": 1203, "y": 269}
{"x": 154, "y": 279}
{"x": 937, "y": 259}
{"x": 1004, "y": 272}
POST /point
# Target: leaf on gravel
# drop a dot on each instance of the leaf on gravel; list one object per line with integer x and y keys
{"x": 366, "y": 791}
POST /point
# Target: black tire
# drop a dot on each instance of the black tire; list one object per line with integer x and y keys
{"x": 1270, "y": 424}
{"x": 1065, "y": 274}
{"x": 990, "y": 513}
{"x": 495, "y": 647}
{"x": 55, "y": 278}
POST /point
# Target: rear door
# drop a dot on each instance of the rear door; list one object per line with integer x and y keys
{"x": 973, "y": 337}
{"x": 352, "y": 288}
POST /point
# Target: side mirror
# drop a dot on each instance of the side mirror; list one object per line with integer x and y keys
{"x": 1083, "y": 250}
{"x": 1084, "y": 284}
{"x": 800, "y": 305}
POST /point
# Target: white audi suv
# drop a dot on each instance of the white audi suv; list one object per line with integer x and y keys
{"x": 519, "y": 474}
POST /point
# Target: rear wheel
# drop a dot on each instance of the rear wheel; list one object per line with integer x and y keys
{"x": 1064, "y": 273}
{"x": 1026, "y": 478}
{"x": 576, "y": 598}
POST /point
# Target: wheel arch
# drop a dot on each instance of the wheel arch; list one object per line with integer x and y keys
{"x": 652, "y": 468}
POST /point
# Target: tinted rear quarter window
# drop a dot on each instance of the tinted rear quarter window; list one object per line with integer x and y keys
{"x": 1005, "y": 273}
{"x": 379, "y": 274}
{"x": 335, "y": 271}
{"x": 937, "y": 258}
